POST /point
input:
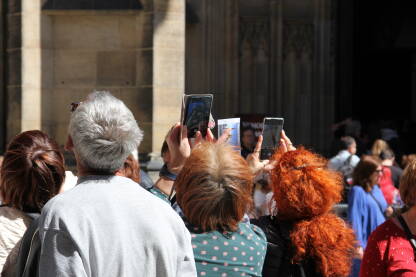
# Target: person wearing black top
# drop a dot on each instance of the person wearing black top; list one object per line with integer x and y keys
{"x": 305, "y": 238}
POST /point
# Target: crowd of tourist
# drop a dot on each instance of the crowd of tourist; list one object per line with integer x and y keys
{"x": 213, "y": 211}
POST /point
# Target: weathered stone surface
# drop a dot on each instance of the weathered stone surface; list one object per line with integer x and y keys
{"x": 75, "y": 68}
{"x": 144, "y": 67}
{"x": 14, "y": 33}
{"x": 128, "y": 33}
{"x": 144, "y": 27}
{"x": 14, "y": 64}
{"x": 139, "y": 101}
{"x": 116, "y": 68}
{"x": 31, "y": 108}
{"x": 92, "y": 5}
{"x": 13, "y": 121}
{"x": 169, "y": 6}
{"x": 167, "y": 63}
{"x": 86, "y": 32}
{"x": 146, "y": 145}
{"x": 14, "y": 6}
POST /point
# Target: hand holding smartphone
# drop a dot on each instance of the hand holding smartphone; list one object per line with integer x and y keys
{"x": 272, "y": 127}
{"x": 196, "y": 110}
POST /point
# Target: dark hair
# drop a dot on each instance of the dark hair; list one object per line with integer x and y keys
{"x": 32, "y": 171}
{"x": 214, "y": 187}
{"x": 346, "y": 142}
{"x": 363, "y": 171}
{"x": 132, "y": 169}
{"x": 248, "y": 128}
{"x": 386, "y": 154}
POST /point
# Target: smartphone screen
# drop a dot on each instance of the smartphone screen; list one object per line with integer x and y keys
{"x": 234, "y": 125}
{"x": 272, "y": 127}
{"x": 196, "y": 114}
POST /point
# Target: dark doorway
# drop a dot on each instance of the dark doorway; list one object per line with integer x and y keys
{"x": 376, "y": 43}
{"x": 382, "y": 69}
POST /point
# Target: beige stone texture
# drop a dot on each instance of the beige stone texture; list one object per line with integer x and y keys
{"x": 116, "y": 68}
{"x": 97, "y": 51}
{"x": 169, "y": 6}
{"x": 31, "y": 68}
{"x": 168, "y": 64}
{"x": 89, "y": 32}
{"x": 144, "y": 67}
{"x": 144, "y": 27}
{"x": 146, "y": 145}
{"x": 75, "y": 68}
{"x": 31, "y": 108}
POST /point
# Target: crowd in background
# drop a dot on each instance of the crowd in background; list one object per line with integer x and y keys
{"x": 214, "y": 211}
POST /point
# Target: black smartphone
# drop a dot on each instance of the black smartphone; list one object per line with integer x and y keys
{"x": 272, "y": 127}
{"x": 196, "y": 113}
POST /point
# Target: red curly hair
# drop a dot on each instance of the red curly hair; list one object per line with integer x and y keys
{"x": 305, "y": 191}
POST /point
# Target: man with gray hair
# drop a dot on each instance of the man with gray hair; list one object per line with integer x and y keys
{"x": 108, "y": 225}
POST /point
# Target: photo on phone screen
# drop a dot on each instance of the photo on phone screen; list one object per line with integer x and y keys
{"x": 234, "y": 125}
{"x": 196, "y": 113}
{"x": 272, "y": 127}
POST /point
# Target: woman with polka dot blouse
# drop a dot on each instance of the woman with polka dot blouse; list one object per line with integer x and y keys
{"x": 214, "y": 191}
{"x": 389, "y": 249}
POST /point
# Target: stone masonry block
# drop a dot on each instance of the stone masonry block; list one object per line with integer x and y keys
{"x": 75, "y": 68}
{"x": 144, "y": 67}
{"x": 116, "y": 68}
{"x": 86, "y": 32}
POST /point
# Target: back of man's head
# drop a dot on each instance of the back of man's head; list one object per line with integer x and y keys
{"x": 104, "y": 132}
{"x": 348, "y": 143}
{"x": 386, "y": 154}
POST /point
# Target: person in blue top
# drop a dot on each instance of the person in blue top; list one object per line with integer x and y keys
{"x": 214, "y": 191}
{"x": 367, "y": 207}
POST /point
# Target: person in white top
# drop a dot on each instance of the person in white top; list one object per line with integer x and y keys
{"x": 346, "y": 155}
{"x": 108, "y": 225}
{"x": 32, "y": 172}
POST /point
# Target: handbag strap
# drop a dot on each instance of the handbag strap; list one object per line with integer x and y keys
{"x": 408, "y": 233}
{"x": 378, "y": 204}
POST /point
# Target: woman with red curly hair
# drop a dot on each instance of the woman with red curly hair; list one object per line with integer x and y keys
{"x": 304, "y": 236}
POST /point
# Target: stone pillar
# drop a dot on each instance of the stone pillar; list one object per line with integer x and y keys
{"x": 31, "y": 65}
{"x": 168, "y": 66}
{"x": 13, "y": 65}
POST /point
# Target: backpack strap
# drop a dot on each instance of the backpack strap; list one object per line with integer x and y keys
{"x": 409, "y": 235}
{"x": 345, "y": 163}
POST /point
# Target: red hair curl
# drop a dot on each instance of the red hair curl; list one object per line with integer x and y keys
{"x": 305, "y": 191}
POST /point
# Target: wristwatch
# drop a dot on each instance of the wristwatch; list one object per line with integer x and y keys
{"x": 164, "y": 172}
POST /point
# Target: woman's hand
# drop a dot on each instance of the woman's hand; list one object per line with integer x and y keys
{"x": 210, "y": 137}
{"x": 389, "y": 211}
{"x": 253, "y": 159}
{"x": 179, "y": 147}
{"x": 285, "y": 143}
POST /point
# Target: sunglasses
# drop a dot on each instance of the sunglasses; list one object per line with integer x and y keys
{"x": 74, "y": 106}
